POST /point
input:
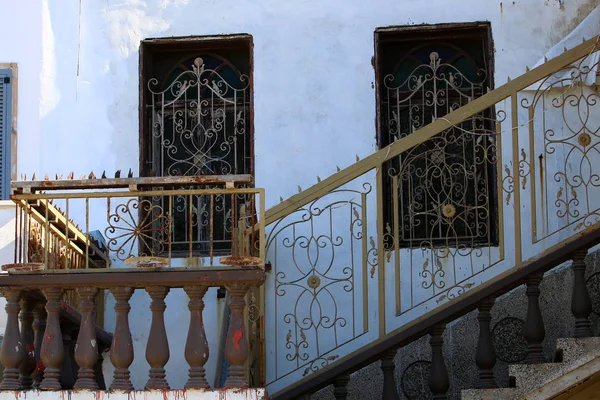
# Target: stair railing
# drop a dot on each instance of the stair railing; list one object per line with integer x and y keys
{"x": 440, "y": 214}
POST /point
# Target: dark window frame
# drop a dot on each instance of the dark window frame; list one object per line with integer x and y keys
{"x": 153, "y": 47}
{"x": 451, "y": 31}
{"x": 150, "y": 50}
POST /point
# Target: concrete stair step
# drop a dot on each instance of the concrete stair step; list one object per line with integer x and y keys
{"x": 579, "y": 357}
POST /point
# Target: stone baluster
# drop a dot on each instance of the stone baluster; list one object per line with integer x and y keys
{"x": 581, "y": 304}
{"x": 438, "y": 378}
{"x": 157, "y": 350}
{"x": 390, "y": 391}
{"x": 11, "y": 352}
{"x": 27, "y": 339}
{"x": 98, "y": 373}
{"x": 86, "y": 351}
{"x": 485, "y": 357}
{"x": 52, "y": 351}
{"x": 534, "y": 324}
{"x": 67, "y": 374}
{"x": 340, "y": 386}
{"x": 236, "y": 345}
{"x": 121, "y": 350}
{"x": 39, "y": 327}
{"x": 196, "y": 347}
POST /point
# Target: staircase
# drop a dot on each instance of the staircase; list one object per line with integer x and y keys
{"x": 393, "y": 287}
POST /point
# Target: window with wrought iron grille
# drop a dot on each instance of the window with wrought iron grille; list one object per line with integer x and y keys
{"x": 196, "y": 120}
{"x": 442, "y": 192}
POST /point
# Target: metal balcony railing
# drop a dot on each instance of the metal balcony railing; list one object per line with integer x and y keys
{"x": 138, "y": 222}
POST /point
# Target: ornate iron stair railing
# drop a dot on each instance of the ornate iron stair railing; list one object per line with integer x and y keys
{"x": 349, "y": 283}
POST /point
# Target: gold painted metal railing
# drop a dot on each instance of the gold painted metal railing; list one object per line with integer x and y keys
{"x": 141, "y": 222}
{"x": 485, "y": 189}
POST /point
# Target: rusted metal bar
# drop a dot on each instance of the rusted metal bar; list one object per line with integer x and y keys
{"x": 148, "y": 234}
{"x": 47, "y": 214}
{"x": 116, "y": 183}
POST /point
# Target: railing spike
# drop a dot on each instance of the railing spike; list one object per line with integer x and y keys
{"x": 338, "y": 168}
{"x": 318, "y": 178}
{"x": 508, "y": 79}
{"x": 130, "y": 174}
{"x": 526, "y": 68}
{"x": 81, "y": 177}
{"x": 565, "y": 49}
{"x": 22, "y": 177}
{"x": 46, "y": 178}
{"x": 70, "y": 176}
{"x": 55, "y": 177}
{"x": 583, "y": 39}
{"x": 280, "y": 199}
{"x": 357, "y": 158}
{"x": 33, "y": 178}
{"x": 103, "y": 174}
{"x": 299, "y": 189}
{"x": 545, "y": 59}
{"x": 118, "y": 173}
{"x": 92, "y": 175}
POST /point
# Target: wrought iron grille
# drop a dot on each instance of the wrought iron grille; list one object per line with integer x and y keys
{"x": 199, "y": 113}
{"x": 441, "y": 192}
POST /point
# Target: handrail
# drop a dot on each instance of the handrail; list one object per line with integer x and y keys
{"x": 131, "y": 278}
{"x": 420, "y": 136}
{"x": 134, "y": 183}
{"x": 448, "y": 312}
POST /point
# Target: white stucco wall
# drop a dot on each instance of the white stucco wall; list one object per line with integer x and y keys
{"x": 314, "y": 96}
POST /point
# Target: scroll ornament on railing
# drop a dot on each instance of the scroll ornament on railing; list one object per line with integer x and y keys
{"x": 128, "y": 230}
{"x": 199, "y": 121}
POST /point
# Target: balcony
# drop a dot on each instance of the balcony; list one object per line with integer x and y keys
{"x": 78, "y": 242}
